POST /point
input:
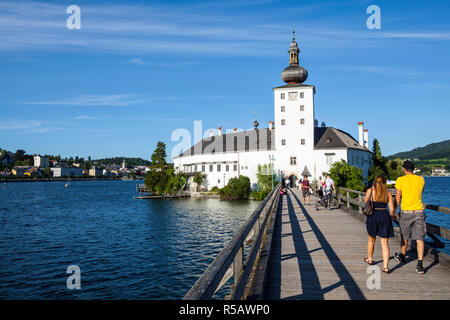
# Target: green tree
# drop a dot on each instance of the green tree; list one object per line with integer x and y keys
{"x": 394, "y": 168}
{"x": 47, "y": 173}
{"x": 19, "y": 155}
{"x": 158, "y": 176}
{"x": 347, "y": 176}
{"x": 236, "y": 189}
{"x": 265, "y": 175}
{"x": 378, "y": 167}
{"x": 159, "y": 156}
{"x": 198, "y": 179}
{"x": 176, "y": 181}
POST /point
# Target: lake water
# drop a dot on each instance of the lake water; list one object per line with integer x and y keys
{"x": 126, "y": 248}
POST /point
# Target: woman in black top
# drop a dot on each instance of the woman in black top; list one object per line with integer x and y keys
{"x": 380, "y": 223}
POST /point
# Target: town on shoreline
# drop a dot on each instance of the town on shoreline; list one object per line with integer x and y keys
{"x": 16, "y": 167}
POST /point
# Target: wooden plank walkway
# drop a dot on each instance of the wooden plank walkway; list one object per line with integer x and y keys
{"x": 318, "y": 254}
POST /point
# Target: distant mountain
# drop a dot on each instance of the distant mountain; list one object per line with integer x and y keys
{"x": 436, "y": 150}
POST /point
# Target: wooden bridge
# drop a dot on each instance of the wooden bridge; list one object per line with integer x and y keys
{"x": 288, "y": 250}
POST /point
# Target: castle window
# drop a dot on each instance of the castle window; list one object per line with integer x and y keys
{"x": 302, "y": 108}
{"x": 329, "y": 159}
{"x": 210, "y": 168}
{"x": 302, "y": 141}
{"x": 293, "y": 96}
{"x": 235, "y": 167}
{"x": 283, "y": 108}
{"x": 227, "y": 167}
{"x": 218, "y": 168}
{"x": 302, "y": 95}
{"x": 282, "y": 96}
{"x": 203, "y": 168}
{"x": 283, "y": 122}
{"x": 302, "y": 121}
{"x": 293, "y": 161}
{"x": 283, "y": 142}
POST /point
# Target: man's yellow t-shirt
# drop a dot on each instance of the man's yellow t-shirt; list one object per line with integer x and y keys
{"x": 411, "y": 187}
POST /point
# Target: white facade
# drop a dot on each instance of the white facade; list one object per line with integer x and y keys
{"x": 67, "y": 172}
{"x": 40, "y": 162}
{"x": 294, "y": 124}
{"x": 292, "y": 140}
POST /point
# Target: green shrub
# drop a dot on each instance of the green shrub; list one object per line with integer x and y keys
{"x": 259, "y": 194}
{"x": 236, "y": 189}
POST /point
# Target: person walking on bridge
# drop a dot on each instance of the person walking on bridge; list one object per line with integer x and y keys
{"x": 329, "y": 188}
{"x": 305, "y": 190}
{"x": 379, "y": 223}
{"x": 412, "y": 223}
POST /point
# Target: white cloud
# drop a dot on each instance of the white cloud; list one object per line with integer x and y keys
{"x": 24, "y": 126}
{"x": 83, "y": 117}
{"x": 96, "y": 100}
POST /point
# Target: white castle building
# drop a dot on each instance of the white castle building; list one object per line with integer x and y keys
{"x": 293, "y": 143}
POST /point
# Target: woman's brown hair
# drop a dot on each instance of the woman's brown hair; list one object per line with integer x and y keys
{"x": 380, "y": 193}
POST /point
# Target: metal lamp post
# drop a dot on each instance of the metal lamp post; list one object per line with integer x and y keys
{"x": 271, "y": 158}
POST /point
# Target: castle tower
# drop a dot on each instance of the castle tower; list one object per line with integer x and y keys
{"x": 294, "y": 118}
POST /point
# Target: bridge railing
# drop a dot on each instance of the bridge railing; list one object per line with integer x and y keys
{"x": 232, "y": 262}
{"x": 345, "y": 195}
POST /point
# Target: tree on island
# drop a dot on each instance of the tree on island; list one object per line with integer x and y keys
{"x": 378, "y": 167}
{"x": 162, "y": 178}
{"x": 176, "y": 181}
{"x": 157, "y": 178}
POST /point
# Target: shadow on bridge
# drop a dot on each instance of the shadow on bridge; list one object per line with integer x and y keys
{"x": 310, "y": 284}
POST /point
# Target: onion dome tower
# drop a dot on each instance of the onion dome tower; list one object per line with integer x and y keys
{"x": 294, "y": 74}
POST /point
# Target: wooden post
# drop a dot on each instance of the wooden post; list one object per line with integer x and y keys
{"x": 359, "y": 206}
{"x": 348, "y": 197}
{"x": 238, "y": 265}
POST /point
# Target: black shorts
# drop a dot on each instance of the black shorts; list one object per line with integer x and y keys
{"x": 305, "y": 192}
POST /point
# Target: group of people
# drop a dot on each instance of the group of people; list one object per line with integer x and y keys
{"x": 324, "y": 186}
{"x": 409, "y": 189}
{"x": 411, "y": 220}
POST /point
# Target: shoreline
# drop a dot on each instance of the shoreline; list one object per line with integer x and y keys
{"x": 60, "y": 179}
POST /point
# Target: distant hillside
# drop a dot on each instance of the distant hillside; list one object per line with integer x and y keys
{"x": 438, "y": 150}
{"x": 118, "y": 161}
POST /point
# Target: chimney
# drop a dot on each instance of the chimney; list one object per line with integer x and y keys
{"x": 360, "y": 133}
{"x": 270, "y": 125}
{"x": 220, "y": 130}
{"x": 366, "y": 138}
{"x": 211, "y": 133}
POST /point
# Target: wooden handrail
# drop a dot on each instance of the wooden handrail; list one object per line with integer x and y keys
{"x": 431, "y": 228}
{"x": 231, "y": 262}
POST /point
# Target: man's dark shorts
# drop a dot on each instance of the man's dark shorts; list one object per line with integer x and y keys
{"x": 305, "y": 192}
{"x": 412, "y": 225}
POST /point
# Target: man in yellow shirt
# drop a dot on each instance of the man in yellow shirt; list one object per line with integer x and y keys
{"x": 409, "y": 189}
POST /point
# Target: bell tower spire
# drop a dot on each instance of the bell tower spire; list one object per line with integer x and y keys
{"x": 293, "y": 50}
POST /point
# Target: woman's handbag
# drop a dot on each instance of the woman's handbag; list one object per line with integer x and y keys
{"x": 368, "y": 207}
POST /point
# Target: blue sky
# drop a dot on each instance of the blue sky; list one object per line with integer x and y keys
{"x": 138, "y": 70}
